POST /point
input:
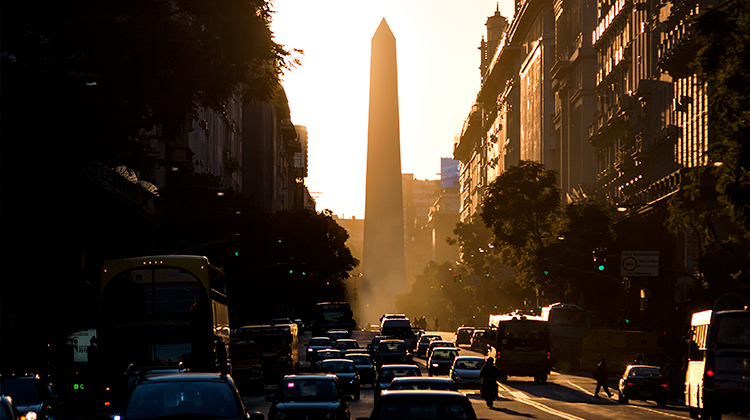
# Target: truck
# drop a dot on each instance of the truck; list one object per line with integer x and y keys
{"x": 332, "y": 316}
{"x": 278, "y": 346}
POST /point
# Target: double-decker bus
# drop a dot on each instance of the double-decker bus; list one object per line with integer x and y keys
{"x": 520, "y": 345}
{"x": 165, "y": 311}
{"x": 567, "y": 324}
{"x": 718, "y": 375}
{"x": 332, "y": 316}
{"x": 278, "y": 345}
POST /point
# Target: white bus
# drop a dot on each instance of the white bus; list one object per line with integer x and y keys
{"x": 718, "y": 375}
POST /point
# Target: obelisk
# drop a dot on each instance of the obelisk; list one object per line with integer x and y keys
{"x": 383, "y": 261}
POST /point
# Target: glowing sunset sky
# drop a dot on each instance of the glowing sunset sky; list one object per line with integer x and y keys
{"x": 438, "y": 59}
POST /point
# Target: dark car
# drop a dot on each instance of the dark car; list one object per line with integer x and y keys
{"x": 392, "y": 351}
{"x": 438, "y": 343}
{"x": 388, "y": 372}
{"x": 184, "y": 395}
{"x": 424, "y": 343}
{"x": 441, "y": 360}
{"x": 423, "y": 405}
{"x": 315, "y": 344}
{"x": 347, "y": 374}
{"x": 416, "y": 334}
{"x": 463, "y": 335}
{"x": 326, "y": 354}
{"x": 281, "y": 321}
{"x": 31, "y": 395}
{"x": 8, "y": 410}
{"x": 338, "y": 334}
{"x": 308, "y": 397}
{"x": 346, "y": 344}
{"x": 465, "y": 371}
{"x": 365, "y": 366}
{"x": 478, "y": 342}
{"x": 372, "y": 347}
{"x": 411, "y": 383}
{"x": 640, "y": 382}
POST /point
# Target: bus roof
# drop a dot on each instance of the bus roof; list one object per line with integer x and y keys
{"x": 701, "y": 318}
{"x": 496, "y": 319}
{"x": 194, "y": 263}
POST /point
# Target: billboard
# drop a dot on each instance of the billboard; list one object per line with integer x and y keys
{"x": 449, "y": 173}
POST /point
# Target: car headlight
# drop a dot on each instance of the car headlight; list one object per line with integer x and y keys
{"x": 434, "y": 365}
{"x": 309, "y": 350}
{"x": 31, "y": 415}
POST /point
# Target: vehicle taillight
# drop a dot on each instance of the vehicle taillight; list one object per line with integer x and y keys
{"x": 709, "y": 372}
{"x": 548, "y": 355}
{"x": 663, "y": 385}
{"x": 631, "y": 383}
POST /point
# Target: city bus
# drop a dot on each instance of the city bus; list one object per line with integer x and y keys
{"x": 278, "y": 344}
{"x": 160, "y": 312}
{"x": 567, "y": 324}
{"x": 520, "y": 345}
{"x": 718, "y": 374}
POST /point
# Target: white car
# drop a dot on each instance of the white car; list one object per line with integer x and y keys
{"x": 465, "y": 371}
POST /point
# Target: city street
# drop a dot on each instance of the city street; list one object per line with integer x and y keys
{"x": 569, "y": 397}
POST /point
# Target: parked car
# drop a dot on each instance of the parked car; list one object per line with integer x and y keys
{"x": 641, "y": 382}
{"x": 33, "y": 397}
{"x": 411, "y": 383}
{"x": 315, "y": 344}
{"x": 388, "y": 372}
{"x": 182, "y": 395}
{"x": 338, "y": 334}
{"x": 423, "y": 405}
{"x": 424, "y": 343}
{"x": 8, "y": 410}
{"x": 478, "y": 341}
{"x": 309, "y": 396}
{"x": 365, "y": 366}
{"x": 441, "y": 360}
{"x": 465, "y": 371}
{"x": 346, "y": 344}
{"x": 392, "y": 351}
{"x": 463, "y": 335}
{"x": 326, "y": 354}
{"x": 346, "y": 373}
{"x": 438, "y": 343}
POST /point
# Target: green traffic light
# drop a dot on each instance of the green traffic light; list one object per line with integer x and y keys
{"x": 291, "y": 271}
{"x": 236, "y": 253}
{"x": 600, "y": 267}
{"x": 546, "y": 272}
{"x": 627, "y": 321}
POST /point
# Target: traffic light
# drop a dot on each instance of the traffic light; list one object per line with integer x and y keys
{"x": 600, "y": 259}
{"x": 544, "y": 266}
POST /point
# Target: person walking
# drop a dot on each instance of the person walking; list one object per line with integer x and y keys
{"x": 601, "y": 375}
{"x": 488, "y": 387}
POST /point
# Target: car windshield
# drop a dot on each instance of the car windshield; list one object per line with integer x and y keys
{"x": 444, "y": 354}
{"x": 434, "y": 385}
{"x": 392, "y": 347}
{"x": 320, "y": 342}
{"x": 150, "y": 400}
{"x": 346, "y": 344}
{"x": 645, "y": 373}
{"x": 387, "y": 375}
{"x": 470, "y": 364}
{"x": 21, "y": 390}
{"x": 360, "y": 360}
{"x": 334, "y": 366}
{"x": 314, "y": 388}
{"x": 418, "y": 408}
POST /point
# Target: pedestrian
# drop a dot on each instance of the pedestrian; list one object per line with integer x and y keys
{"x": 437, "y": 324}
{"x": 488, "y": 376}
{"x": 639, "y": 360}
{"x": 601, "y": 375}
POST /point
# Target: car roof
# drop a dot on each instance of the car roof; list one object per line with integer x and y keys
{"x": 409, "y": 394}
{"x": 421, "y": 379}
{"x": 357, "y": 354}
{"x": 329, "y": 361}
{"x": 184, "y": 377}
{"x": 469, "y": 358}
{"x": 398, "y": 367}
{"x": 310, "y": 376}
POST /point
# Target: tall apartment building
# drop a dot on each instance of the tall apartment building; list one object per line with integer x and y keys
{"x": 216, "y": 143}
{"x": 418, "y": 197}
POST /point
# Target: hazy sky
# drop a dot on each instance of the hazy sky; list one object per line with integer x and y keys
{"x": 438, "y": 59}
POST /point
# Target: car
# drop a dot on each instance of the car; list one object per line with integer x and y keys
{"x": 281, "y": 321}
{"x": 300, "y": 325}
{"x": 423, "y": 405}
{"x": 346, "y": 373}
{"x": 478, "y": 341}
{"x": 181, "y": 395}
{"x": 416, "y": 333}
{"x": 32, "y": 396}
{"x": 346, "y": 344}
{"x": 8, "y": 410}
{"x": 309, "y": 396}
{"x": 642, "y": 382}
{"x": 325, "y": 354}
{"x": 392, "y": 351}
{"x": 315, "y": 344}
{"x": 246, "y": 369}
{"x": 372, "y": 347}
{"x": 438, "y": 343}
{"x": 424, "y": 343}
{"x": 410, "y": 383}
{"x": 465, "y": 371}
{"x": 388, "y": 372}
{"x": 463, "y": 335}
{"x": 338, "y": 334}
{"x": 441, "y": 360}
{"x": 365, "y": 366}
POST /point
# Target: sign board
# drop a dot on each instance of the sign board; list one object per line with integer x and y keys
{"x": 639, "y": 263}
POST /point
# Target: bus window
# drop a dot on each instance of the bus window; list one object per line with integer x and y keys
{"x": 733, "y": 332}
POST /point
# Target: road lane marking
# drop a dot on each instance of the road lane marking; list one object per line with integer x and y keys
{"x": 582, "y": 389}
{"x": 521, "y": 397}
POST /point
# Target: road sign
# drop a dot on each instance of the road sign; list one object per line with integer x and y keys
{"x": 639, "y": 263}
